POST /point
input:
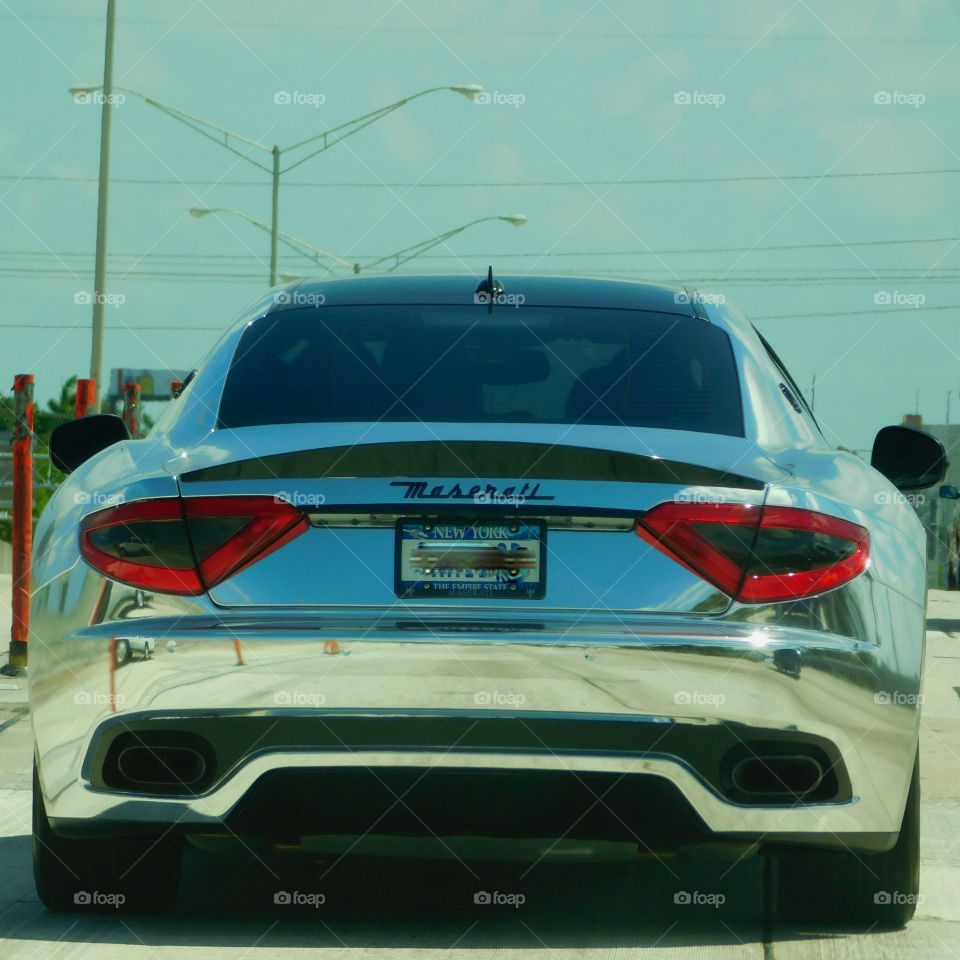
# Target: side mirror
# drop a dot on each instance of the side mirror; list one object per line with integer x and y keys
{"x": 910, "y": 459}
{"x": 949, "y": 492}
{"x": 76, "y": 441}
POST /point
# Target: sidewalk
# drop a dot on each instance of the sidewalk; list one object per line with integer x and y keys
{"x": 5, "y": 613}
{"x": 943, "y": 606}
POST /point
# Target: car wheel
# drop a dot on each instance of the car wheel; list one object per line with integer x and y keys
{"x": 120, "y": 874}
{"x": 875, "y": 889}
{"x": 122, "y": 652}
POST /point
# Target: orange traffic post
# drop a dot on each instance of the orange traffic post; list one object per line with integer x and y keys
{"x": 22, "y": 521}
{"x": 86, "y": 397}
{"x": 131, "y": 407}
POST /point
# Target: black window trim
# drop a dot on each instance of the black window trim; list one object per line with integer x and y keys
{"x": 791, "y": 383}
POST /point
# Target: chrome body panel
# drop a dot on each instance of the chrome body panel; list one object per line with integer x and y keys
{"x": 597, "y": 652}
{"x": 662, "y": 672}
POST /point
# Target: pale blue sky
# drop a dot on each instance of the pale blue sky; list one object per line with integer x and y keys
{"x": 598, "y": 82}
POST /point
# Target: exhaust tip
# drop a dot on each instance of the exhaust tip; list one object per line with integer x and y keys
{"x": 167, "y": 763}
{"x": 161, "y": 766}
{"x": 778, "y": 773}
{"x": 777, "y": 776}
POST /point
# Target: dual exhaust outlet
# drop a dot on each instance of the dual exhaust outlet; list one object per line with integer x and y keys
{"x": 776, "y": 777}
{"x": 165, "y": 763}
{"x": 771, "y": 773}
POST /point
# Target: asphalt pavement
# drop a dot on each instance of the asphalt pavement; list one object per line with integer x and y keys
{"x": 685, "y": 904}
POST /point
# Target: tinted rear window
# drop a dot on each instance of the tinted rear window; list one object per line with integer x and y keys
{"x": 461, "y": 364}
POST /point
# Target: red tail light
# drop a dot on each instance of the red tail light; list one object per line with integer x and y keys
{"x": 759, "y": 554}
{"x": 188, "y": 546}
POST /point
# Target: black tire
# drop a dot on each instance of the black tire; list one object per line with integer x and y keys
{"x": 115, "y": 875}
{"x": 123, "y": 653}
{"x": 878, "y": 890}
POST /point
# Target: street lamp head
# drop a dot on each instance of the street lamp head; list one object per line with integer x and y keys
{"x": 86, "y": 88}
{"x": 469, "y": 90}
{"x": 201, "y": 211}
{"x": 515, "y": 219}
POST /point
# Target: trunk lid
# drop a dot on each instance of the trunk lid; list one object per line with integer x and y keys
{"x": 367, "y": 489}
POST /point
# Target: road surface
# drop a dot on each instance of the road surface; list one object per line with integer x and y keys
{"x": 409, "y": 908}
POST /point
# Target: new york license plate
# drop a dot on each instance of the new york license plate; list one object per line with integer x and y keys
{"x": 495, "y": 559}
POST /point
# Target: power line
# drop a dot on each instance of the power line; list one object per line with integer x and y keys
{"x": 254, "y": 276}
{"x": 486, "y": 184}
{"x": 473, "y": 32}
{"x": 81, "y": 327}
{"x": 249, "y": 258}
{"x": 878, "y": 311}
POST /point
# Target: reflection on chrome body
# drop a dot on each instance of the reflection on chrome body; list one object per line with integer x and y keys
{"x": 665, "y": 671}
{"x": 315, "y": 631}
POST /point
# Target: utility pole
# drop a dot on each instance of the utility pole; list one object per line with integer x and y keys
{"x": 100, "y": 266}
{"x": 22, "y": 539}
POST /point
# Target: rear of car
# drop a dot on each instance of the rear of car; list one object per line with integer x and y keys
{"x": 498, "y": 556}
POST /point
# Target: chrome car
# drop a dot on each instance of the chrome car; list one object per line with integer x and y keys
{"x": 497, "y": 550}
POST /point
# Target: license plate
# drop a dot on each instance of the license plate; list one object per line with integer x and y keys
{"x": 496, "y": 559}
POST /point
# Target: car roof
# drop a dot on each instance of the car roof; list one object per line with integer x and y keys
{"x": 565, "y": 291}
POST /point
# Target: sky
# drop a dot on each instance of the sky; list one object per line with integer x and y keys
{"x": 799, "y": 158}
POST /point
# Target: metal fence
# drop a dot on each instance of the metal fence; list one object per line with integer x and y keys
{"x": 42, "y": 479}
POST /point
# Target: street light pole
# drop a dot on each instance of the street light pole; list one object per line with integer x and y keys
{"x": 327, "y": 138}
{"x": 315, "y": 253}
{"x": 408, "y": 253}
{"x": 275, "y": 219}
{"x": 100, "y": 261}
{"x": 300, "y": 246}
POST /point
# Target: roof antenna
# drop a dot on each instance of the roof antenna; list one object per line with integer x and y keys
{"x": 488, "y": 290}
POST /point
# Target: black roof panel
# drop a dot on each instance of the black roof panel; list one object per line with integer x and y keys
{"x": 542, "y": 291}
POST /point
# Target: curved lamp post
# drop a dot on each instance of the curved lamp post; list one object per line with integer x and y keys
{"x": 223, "y": 137}
{"x": 400, "y": 256}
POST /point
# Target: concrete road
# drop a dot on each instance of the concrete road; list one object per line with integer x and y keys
{"x": 422, "y": 908}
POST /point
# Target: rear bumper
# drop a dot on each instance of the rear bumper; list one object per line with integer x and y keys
{"x": 662, "y": 700}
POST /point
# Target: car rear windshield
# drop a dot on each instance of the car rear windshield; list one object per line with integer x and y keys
{"x": 463, "y": 364}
